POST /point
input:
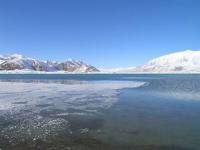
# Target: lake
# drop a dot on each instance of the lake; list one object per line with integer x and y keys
{"x": 100, "y": 111}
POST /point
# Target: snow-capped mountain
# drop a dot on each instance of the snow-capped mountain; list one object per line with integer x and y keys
{"x": 180, "y": 62}
{"x": 19, "y": 62}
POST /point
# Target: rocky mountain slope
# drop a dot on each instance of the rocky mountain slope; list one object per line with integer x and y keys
{"x": 19, "y": 62}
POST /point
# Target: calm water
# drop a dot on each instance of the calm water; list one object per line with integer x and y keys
{"x": 99, "y": 111}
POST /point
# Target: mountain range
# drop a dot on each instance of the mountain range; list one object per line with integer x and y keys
{"x": 187, "y": 61}
{"x": 19, "y": 62}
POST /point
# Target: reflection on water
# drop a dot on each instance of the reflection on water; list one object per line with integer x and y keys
{"x": 43, "y": 81}
{"x": 130, "y": 113}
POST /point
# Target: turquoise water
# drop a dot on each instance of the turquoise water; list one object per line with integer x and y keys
{"x": 100, "y": 111}
{"x": 94, "y": 76}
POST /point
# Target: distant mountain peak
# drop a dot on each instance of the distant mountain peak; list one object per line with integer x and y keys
{"x": 183, "y": 61}
{"x": 20, "y": 62}
{"x": 17, "y": 55}
{"x": 187, "y": 61}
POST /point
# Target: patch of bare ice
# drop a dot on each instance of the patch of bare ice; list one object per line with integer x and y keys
{"x": 18, "y": 96}
{"x": 39, "y": 110}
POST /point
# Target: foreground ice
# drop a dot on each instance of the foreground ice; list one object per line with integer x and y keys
{"x": 15, "y": 96}
{"x": 39, "y": 110}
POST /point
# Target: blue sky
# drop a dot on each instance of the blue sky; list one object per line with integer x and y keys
{"x": 104, "y": 33}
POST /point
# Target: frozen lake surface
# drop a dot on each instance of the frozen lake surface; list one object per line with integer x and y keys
{"x": 83, "y": 112}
